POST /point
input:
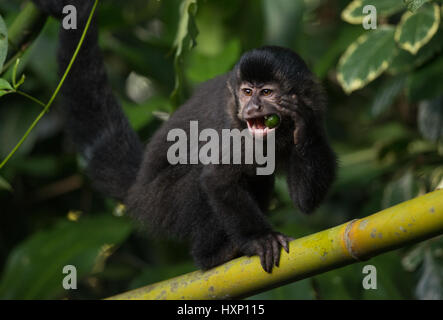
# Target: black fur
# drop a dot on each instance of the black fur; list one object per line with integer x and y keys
{"x": 271, "y": 63}
{"x": 94, "y": 119}
{"x": 220, "y": 208}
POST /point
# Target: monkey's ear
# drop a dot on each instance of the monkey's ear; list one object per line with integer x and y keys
{"x": 232, "y": 82}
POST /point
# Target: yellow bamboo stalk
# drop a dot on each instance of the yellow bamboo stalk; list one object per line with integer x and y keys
{"x": 411, "y": 221}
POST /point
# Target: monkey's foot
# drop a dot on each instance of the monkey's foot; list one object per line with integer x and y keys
{"x": 268, "y": 248}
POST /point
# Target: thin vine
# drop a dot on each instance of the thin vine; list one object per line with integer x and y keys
{"x": 54, "y": 95}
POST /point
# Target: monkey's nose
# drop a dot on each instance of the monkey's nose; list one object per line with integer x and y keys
{"x": 253, "y": 109}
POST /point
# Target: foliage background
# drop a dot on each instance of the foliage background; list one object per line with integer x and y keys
{"x": 388, "y": 135}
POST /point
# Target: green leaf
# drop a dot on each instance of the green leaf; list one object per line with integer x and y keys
{"x": 366, "y": 58}
{"x": 346, "y": 283}
{"x": 359, "y": 168}
{"x": 430, "y": 285}
{"x": 203, "y": 67}
{"x": 413, "y": 5}
{"x": 348, "y": 33}
{"x": 153, "y": 274}
{"x": 283, "y": 19}
{"x": 399, "y": 190}
{"x": 300, "y": 290}
{"x": 14, "y": 120}
{"x": 34, "y": 268}
{"x": 140, "y": 115}
{"x": 3, "y": 42}
{"x": 184, "y": 41}
{"x": 386, "y": 133}
{"x": 5, "y": 87}
{"x": 339, "y": 284}
{"x": 14, "y": 76}
{"x": 393, "y": 282}
{"x": 416, "y": 29}
{"x": 414, "y": 258}
{"x": 353, "y": 13}
{"x": 20, "y": 82}
{"x": 426, "y": 83}
{"x": 37, "y": 165}
{"x": 405, "y": 61}
{"x": 384, "y": 98}
{"x": 430, "y": 119}
{"x": 5, "y": 184}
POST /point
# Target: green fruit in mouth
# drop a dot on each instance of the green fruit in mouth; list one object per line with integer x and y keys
{"x": 272, "y": 121}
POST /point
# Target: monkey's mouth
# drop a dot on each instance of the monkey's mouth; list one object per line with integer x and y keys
{"x": 258, "y": 128}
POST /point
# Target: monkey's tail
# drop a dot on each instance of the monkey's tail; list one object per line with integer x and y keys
{"x": 94, "y": 118}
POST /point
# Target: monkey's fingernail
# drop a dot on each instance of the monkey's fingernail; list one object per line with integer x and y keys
{"x": 277, "y": 261}
{"x": 286, "y": 247}
{"x": 263, "y": 265}
{"x": 287, "y": 244}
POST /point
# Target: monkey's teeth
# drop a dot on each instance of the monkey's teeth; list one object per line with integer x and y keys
{"x": 258, "y": 129}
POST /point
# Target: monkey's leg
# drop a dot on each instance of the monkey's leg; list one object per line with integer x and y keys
{"x": 239, "y": 214}
{"x": 211, "y": 246}
{"x": 170, "y": 201}
{"x": 173, "y": 202}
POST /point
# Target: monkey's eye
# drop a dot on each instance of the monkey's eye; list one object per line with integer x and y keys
{"x": 266, "y": 92}
{"x": 247, "y": 91}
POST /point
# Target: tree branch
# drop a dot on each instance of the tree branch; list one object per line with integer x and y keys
{"x": 357, "y": 240}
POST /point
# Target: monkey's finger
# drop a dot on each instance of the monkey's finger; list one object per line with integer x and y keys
{"x": 276, "y": 251}
{"x": 284, "y": 241}
{"x": 269, "y": 255}
{"x": 261, "y": 253}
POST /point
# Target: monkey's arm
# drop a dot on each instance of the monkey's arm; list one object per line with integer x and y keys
{"x": 312, "y": 164}
{"x": 238, "y": 212}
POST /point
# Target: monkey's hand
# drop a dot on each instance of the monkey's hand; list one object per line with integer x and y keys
{"x": 268, "y": 248}
{"x": 299, "y": 133}
{"x": 300, "y": 115}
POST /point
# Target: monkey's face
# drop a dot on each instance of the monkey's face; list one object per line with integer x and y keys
{"x": 259, "y": 107}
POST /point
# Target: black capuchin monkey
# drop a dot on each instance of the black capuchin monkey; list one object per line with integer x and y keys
{"x": 220, "y": 208}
